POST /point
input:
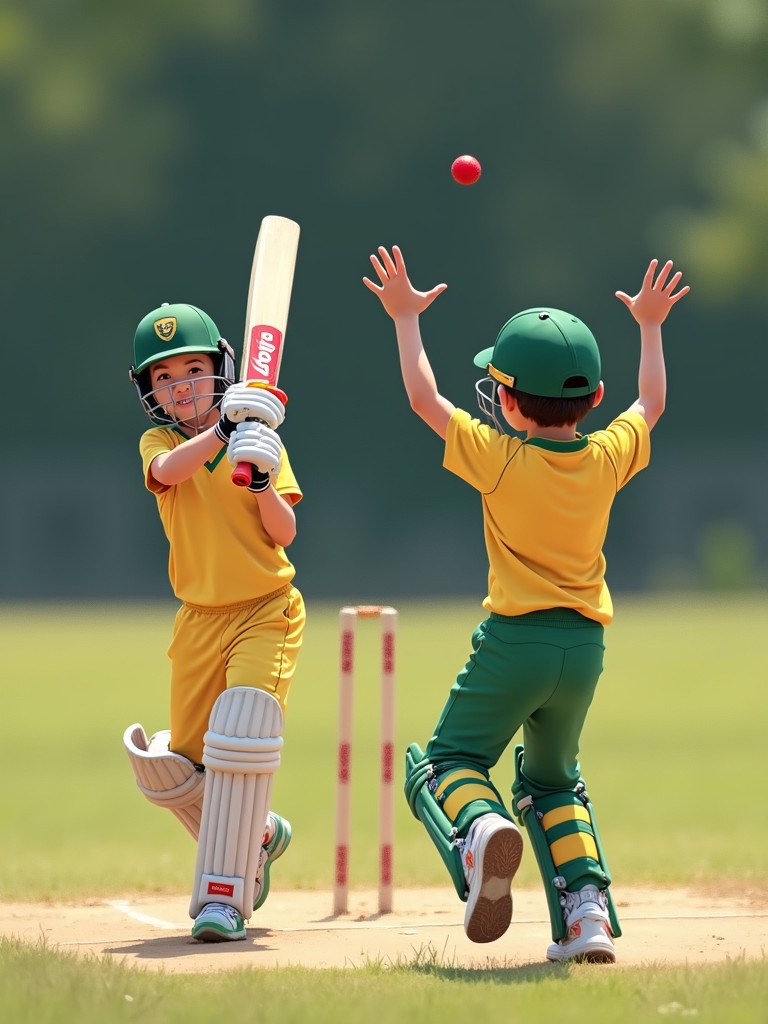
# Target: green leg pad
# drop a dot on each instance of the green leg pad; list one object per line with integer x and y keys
{"x": 561, "y": 827}
{"x": 419, "y": 777}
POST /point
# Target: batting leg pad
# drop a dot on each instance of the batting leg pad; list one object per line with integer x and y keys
{"x": 166, "y": 779}
{"x": 241, "y": 754}
{"x": 566, "y": 844}
{"x": 420, "y": 782}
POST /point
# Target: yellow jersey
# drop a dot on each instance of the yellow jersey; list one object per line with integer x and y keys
{"x": 546, "y": 506}
{"x": 220, "y": 554}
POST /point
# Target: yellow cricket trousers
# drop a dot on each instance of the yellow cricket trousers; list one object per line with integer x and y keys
{"x": 252, "y": 644}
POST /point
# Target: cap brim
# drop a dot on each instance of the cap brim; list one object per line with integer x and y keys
{"x": 482, "y": 359}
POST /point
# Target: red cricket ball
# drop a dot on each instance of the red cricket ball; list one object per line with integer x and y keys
{"x": 466, "y": 169}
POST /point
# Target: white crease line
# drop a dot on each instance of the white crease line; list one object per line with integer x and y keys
{"x": 125, "y": 908}
{"x": 338, "y": 926}
{"x": 407, "y": 926}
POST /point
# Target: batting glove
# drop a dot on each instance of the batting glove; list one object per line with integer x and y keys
{"x": 256, "y": 443}
{"x": 243, "y": 402}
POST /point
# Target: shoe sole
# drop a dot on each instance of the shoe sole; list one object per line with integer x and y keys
{"x": 490, "y": 911}
{"x": 596, "y": 949}
{"x": 594, "y": 956}
{"x": 602, "y": 956}
{"x": 211, "y": 935}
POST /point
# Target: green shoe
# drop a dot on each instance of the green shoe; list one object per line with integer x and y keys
{"x": 276, "y": 845}
{"x": 218, "y": 922}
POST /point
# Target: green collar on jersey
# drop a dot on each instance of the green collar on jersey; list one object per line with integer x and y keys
{"x": 579, "y": 443}
{"x": 211, "y": 464}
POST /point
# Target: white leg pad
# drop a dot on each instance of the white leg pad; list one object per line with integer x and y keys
{"x": 241, "y": 755}
{"x": 166, "y": 779}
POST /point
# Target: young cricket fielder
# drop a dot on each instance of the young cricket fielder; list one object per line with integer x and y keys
{"x": 239, "y": 627}
{"x": 537, "y": 657}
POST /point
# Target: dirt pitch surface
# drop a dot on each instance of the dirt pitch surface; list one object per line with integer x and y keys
{"x": 660, "y": 925}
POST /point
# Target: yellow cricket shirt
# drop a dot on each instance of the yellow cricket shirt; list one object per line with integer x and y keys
{"x": 546, "y": 506}
{"x": 220, "y": 554}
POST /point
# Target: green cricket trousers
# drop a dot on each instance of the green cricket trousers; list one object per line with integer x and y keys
{"x": 536, "y": 671}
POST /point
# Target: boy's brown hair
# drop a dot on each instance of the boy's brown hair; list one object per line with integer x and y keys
{"x": 552, "y": 412}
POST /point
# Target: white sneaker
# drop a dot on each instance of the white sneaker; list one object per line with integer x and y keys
{"x": 277, "y": 836}
{"x": 491, "y": 855}
{"x": 218, "y": 922}
{"x": 589, "y": 936}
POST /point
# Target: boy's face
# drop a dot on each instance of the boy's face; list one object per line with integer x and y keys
{"x": 184, "y": 385}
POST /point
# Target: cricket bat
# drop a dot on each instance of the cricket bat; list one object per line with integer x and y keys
{"x": 266, "y": 315}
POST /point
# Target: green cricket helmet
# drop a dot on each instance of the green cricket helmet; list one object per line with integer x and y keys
{"x": 541, "y": 351}
{"x": 545, "y": 352}
{"x": 171, "y": 330}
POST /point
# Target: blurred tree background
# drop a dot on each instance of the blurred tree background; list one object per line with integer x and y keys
{"x": 143, "y": 142}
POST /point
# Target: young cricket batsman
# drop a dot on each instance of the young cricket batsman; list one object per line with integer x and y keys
{"x": 239, "y": 626}
{"x": 536, "y": 658}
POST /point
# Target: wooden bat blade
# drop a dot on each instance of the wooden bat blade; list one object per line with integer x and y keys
{"x": 266, "y": 315}
{"x": 269, "y": 299}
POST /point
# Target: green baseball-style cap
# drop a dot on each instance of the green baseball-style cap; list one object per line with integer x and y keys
{"x": 172, "y": 329}
{"x": 545, "y": 352}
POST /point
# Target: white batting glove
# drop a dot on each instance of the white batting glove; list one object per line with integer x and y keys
{"x": 241, "y": 402}
{"x": 255, "y": 443}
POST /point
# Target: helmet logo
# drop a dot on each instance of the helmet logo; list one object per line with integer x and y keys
{"x": 165, "y": 328}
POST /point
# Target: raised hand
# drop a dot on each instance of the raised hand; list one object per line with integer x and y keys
{"x": 656, "y": 297}
{"x": 397, "y": 294}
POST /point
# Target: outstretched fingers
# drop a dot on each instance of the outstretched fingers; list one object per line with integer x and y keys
{"x": 381, "y": 275}
{"x": 659, "y": 283}
{"x": 397, "y": 294}
{"x": 392, "y": 266}
{"x": 672, "y": 295}
{"x": 657, "y": 294}
{"x": 385, "y": 268}
{"x": 666, "y": 288}
{"x": 649, "y": 275}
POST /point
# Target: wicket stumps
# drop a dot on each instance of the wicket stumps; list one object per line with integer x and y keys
{"x": 348, "y": 617}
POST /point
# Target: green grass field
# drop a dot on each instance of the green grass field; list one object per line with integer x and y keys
{"x": 673, "y": 754}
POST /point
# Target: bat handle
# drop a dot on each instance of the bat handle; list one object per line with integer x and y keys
{"x": 241, "y": 474}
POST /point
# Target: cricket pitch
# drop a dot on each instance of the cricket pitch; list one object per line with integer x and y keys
{"x": 661, "y": 925}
